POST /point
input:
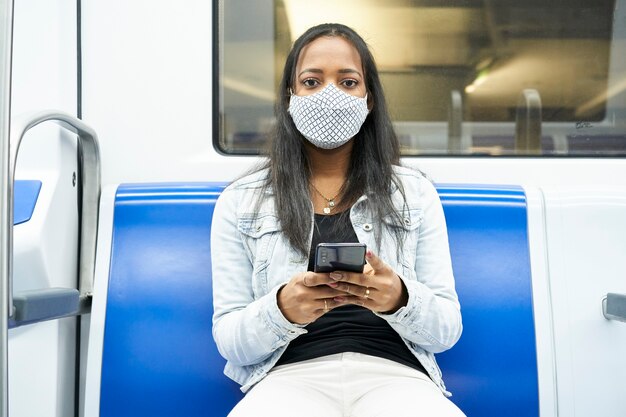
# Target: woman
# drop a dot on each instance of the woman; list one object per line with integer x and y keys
{"x": 333, "y": 344}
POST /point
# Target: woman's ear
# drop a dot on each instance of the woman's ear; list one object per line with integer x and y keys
{"x": 370, "y": 103}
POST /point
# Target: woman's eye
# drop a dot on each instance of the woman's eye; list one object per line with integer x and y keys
{"x": 310, "y": 82}
{"x": 350, "y": 83}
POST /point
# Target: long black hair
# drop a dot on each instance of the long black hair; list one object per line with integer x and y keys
{"x": 375, "y": 151}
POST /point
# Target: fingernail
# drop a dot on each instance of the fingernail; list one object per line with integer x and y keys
{"x": 339, "y": 299}
{"x": 336, "y": 275}
{"x": 369, "y": 254}
{"x": 333, "y": 284}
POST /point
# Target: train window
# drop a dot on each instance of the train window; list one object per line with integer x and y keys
{"x": 462, "y": 77}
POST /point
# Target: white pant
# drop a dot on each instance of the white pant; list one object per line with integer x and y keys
{"x": 345, "y": 385}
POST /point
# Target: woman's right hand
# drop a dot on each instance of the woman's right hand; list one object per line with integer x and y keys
{"x": 308, "y": 296}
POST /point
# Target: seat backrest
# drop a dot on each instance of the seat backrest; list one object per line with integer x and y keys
{"x": 492, "y": 370}
{"x": 158, "y": 356}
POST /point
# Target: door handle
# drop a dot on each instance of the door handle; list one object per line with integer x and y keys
{"x": 614, "y": 307}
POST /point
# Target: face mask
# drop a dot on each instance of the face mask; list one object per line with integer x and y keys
{"x": 328, "y": 118}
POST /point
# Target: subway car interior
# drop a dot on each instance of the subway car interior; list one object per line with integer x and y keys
{"x": 122, "y": 121}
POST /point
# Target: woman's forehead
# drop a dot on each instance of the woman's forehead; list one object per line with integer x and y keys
{"x": 329, "y": 52}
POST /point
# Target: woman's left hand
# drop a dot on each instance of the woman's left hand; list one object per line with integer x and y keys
{"x": 378, "y": 288}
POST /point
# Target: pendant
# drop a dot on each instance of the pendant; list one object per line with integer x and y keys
{"x": 326, "y": 210}
{"x": 331, "y": 203}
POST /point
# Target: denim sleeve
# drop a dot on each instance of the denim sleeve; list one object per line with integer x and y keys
{"x": 246, "y": 330}
{"x": 432, "y": 316}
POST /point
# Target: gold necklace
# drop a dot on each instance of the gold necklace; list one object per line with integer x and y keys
{"x": 330, "y": 201}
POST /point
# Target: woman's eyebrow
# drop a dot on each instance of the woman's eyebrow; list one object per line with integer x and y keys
{"x": 341, "y": 71}
{"x": 316, "y": 70}
{"x": 349, "y": 71}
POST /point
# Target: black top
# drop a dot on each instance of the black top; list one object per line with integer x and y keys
{"x": 349, "y": 328}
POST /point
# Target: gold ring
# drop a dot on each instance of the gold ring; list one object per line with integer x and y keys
{"x": 325, "y": 305}
{"x": 367, "y": 292}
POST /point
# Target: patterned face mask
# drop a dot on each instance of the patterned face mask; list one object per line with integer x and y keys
{"x": 328, "y": 118}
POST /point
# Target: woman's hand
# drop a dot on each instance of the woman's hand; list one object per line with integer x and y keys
{"x": 308, "y": 296}
{"x": 378, "y": 288}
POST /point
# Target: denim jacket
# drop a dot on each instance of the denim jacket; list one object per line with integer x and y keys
{"x": 252, "y": 259}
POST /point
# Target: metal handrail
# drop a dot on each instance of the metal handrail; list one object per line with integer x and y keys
{"x": 89, "y": 168}
{"x": 528, "y": 123}
{"x": 455, "y": 122}
{"x": 6, "y": 42}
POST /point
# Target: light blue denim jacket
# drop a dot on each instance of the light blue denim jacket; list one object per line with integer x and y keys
{"x": 252, "y": 260}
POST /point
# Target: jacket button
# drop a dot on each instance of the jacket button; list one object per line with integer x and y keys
{"x": 407, "y": 221}
{"x": 367, "y": 227}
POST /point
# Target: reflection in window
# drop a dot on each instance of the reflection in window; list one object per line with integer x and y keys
{"x": 463, "y": 77}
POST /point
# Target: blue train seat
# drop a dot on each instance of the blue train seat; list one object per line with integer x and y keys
{"x": 25, "y": 194}
{"x": 492, "y": 370}
{"x": 158, "y": 357}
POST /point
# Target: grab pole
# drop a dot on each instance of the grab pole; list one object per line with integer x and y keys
{"x": 6, "y": 309}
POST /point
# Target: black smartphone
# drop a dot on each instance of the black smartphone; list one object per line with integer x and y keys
{"x": 331, "y": 257}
